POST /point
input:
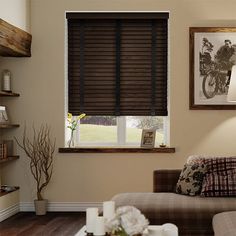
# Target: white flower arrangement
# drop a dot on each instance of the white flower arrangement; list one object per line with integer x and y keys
{"x": 128, "y": 221}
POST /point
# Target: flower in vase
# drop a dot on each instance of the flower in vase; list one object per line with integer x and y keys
{"x": 128, "y": 221}
{"x": 72, "y": 125}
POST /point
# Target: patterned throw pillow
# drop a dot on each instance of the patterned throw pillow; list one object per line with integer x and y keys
{"x": 220, "y": 180}
{"x": 220, "y": 164}
{"x": 196, "y": 159}
{"x": 190, "y": 180}
{"x": 219, "y": 185}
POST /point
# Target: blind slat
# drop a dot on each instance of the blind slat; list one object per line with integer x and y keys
{"x": 115, "y": 77}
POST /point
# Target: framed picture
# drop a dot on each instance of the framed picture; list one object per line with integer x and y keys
{"x": 3, "y": 115}
{"x": 212, "y": 55}
{"x": 148, "y": 138}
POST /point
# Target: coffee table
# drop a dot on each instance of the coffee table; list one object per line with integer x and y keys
{"x": 82, "y": 232}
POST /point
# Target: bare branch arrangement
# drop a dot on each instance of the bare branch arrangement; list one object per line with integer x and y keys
{"x": 40, "y": 151}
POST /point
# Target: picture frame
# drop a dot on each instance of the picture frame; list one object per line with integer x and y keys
{"x": 3, "y": 115}
{"x": 148, "y": 138}
{"x": 212, "y": 52}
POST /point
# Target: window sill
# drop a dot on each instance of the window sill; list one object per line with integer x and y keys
{"x": 116, "y": 150}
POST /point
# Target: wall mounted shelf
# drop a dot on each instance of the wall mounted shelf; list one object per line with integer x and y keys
{"x": 9, "y": 126}
{"x": 14, "y": 42}
{"x": 8, "y": 94}
{"x": 9, "y": 159}
{"x": 3, "y": 193}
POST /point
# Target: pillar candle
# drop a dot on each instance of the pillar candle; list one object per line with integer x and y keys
{"x": 99, "y": 229}
{"x": 155, "y": 230}
{"x": 6, "y": 81}
{"x": 170, "y": 230}
{"x": 91, "y": 215}
{"x": 108, "y": 209}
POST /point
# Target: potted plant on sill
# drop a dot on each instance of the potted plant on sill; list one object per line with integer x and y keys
{"x": 40, "y": 150}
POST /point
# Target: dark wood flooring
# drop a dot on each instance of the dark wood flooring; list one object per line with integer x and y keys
{"x": 52, "y": 224}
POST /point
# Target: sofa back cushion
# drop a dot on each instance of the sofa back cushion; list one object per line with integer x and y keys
{"x": 165, "y": 180}
{"x": 220, "y": 179}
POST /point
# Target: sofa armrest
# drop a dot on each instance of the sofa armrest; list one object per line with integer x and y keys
{"x": 165, "y": 180}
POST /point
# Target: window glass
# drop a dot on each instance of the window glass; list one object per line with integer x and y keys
{"x": 135, "y": 124}
{"x": 98, "y": 129}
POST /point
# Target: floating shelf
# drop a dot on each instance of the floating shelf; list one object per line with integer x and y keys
{"x": 8, "y": 159}
{"x": 14, "y": 42}
{"x": 8, "y": 94}
{"x": 9, "y": 126}
{"x": 2, "y": 193}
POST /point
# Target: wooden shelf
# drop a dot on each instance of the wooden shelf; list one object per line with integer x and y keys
{"x": 8, "y": 159}
{"x": 8, "y": 94}
{"x": 9, "y": 126}
{"x": 116, "y": 150}
{"x": 3, "y": 193}
{"x": 14, "y": 42}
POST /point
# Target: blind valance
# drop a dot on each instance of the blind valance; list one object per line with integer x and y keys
{"x": 117, "y": 63}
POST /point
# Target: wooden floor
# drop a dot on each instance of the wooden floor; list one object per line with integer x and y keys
{"x": 52, "y": 224}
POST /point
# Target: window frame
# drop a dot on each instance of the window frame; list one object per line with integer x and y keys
{"x": 166, "y": 119}
{"x": 121, "y": 140}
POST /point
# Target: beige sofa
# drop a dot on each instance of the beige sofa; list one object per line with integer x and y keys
{"x": 192, "y": 215}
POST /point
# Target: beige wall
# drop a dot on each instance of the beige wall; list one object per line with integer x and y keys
{"x": 16, "y": 12}
{"x": 40, "y": 80}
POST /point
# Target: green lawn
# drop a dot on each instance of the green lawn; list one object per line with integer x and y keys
{"x": 100, "y": 133}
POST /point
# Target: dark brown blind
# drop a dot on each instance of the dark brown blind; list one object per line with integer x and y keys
{"x": 117, "y": 63}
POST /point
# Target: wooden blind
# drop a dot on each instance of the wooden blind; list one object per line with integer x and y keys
{"x": 117, "y": 63}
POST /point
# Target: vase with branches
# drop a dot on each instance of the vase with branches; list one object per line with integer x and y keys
{"x": 40, "y": 151}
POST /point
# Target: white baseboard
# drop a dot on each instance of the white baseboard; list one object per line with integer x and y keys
{"x": 10, "y": 211}
{"x": 62, "y": 206}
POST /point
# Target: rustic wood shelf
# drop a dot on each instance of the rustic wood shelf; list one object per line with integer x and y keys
{"x": 116, "y": 150}
{"x": 8, "y": 94}
{"x": 14, "y": 42}
{"x": 8, "y": 159}
{"x": 3, "y": 193}
{"x": 9, "y": 126}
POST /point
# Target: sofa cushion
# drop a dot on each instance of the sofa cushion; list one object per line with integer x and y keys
{"x": 224, "y": 223}
{"x": 188, "y": 213}
{"x": 219, "y": 184}
{"x": 221, "y": 164}
{"x": 196, "y": 159}
{"x": 220, "y": 179}
{"x": 190, "y": 180}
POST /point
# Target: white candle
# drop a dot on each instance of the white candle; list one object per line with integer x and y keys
{"x": 99, "y": 226}
{"x": 91, "y": 215}
{"x": 108, "y": 209}
{"x": 6, "y": 81}
{"x": 170, "y": 229}
{"x": 155, "y": 230}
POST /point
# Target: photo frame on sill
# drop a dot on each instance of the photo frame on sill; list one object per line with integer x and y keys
{"x": 212, "y": 55}
{"x": 148, "y": 138}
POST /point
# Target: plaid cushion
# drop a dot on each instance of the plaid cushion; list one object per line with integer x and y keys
{"x": 219, "y": 185}
{"x": 220, "y": 179}
{"x": 220, "y": 165}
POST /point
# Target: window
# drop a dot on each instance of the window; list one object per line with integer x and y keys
{"x": 118, "y": 131}
{"x": 117, "y": 74}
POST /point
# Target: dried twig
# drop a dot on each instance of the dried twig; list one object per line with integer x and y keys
{"x": 40, "y": 151}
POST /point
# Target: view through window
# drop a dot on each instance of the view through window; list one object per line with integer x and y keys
{"x": 118, "y": 131}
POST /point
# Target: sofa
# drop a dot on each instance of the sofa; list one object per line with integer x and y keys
{"x": 192, "y": 214}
